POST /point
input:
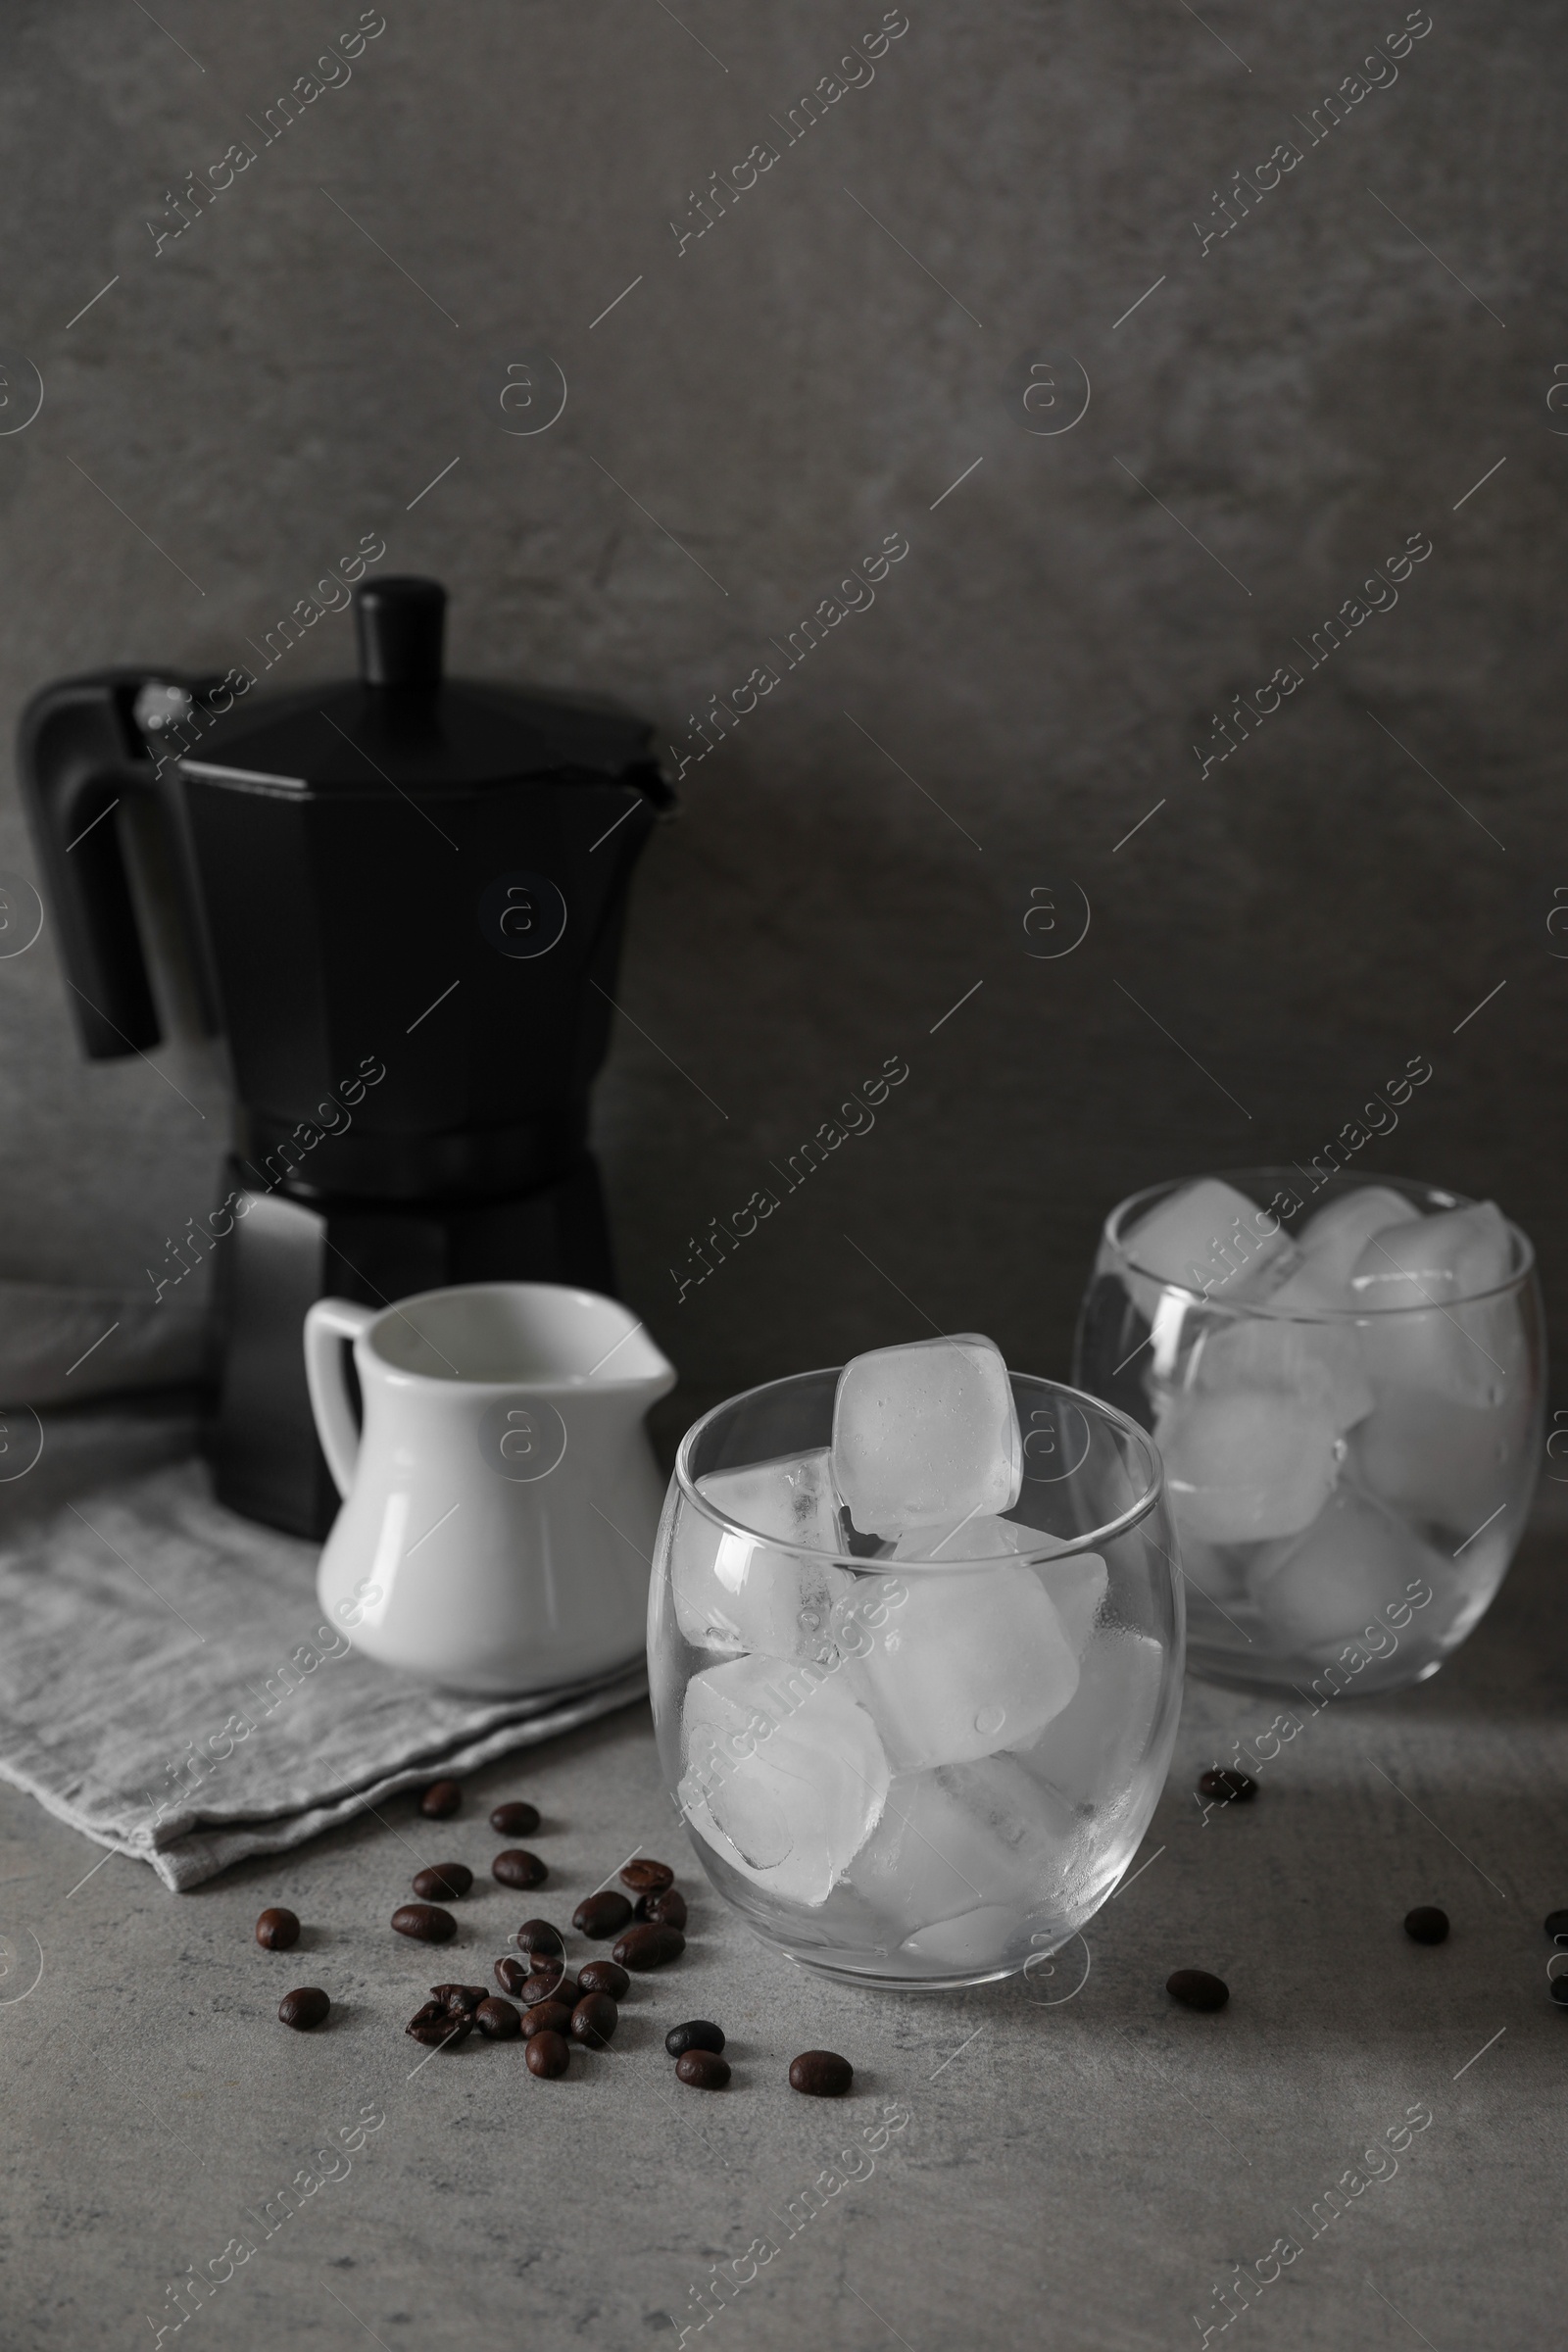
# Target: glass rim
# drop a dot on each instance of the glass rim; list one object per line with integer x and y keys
{"x": 864, "y": 1565}
{"x": 1260, "y": 1309}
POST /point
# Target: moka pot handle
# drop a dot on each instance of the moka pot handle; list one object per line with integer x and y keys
{"x": 86, "y": 750}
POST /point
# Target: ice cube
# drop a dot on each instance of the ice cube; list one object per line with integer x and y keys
{"x": 1076, "y": 1585}
{"x": 961, "y": 1664}
{"x": 1433, "y": 1260}
{"x": 1331, "y": 1242}
{"x": 1207, "y": 1238}
{"x": 927, "y": 1434}
{"x": 1077, "y": 1588}
{"x": 1435, "y": 1460}
{"x": 845, "y": 1930}
{"x": 1318, "y": 1363}
{"x": 983, "y": 1536}
{"x": 1245, "y": 1464}
{"x": 784, "y": 1774}
{"x": 1037, "y": 1835}
{"x": 737, "y": 1592}
{"x": 1351, "y": 1564}
{"x": 1093, "y": 1752}
{"x": 983, "y": 1938}
{"x": 962, "y": 1839}
{"x": 928, "y": 1857}
{"x": 1430, "y": 1267}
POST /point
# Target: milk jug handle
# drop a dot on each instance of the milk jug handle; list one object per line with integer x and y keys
{"x": 328, "y": 1323}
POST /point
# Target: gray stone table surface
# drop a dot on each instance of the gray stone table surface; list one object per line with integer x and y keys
{"x": 1077, "y": 2165}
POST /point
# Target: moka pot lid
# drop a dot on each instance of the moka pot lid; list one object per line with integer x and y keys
{"x": 402, "y": 725}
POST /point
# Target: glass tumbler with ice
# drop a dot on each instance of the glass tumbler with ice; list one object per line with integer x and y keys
{"x": 915, "y": 1649}
{"x": 1346, "y": 1379}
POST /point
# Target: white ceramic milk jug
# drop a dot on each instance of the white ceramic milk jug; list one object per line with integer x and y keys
{"x": 500, "y": 1506}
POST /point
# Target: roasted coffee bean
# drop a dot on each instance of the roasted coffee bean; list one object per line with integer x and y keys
{"x": 305, "y": 2008}
{"x": 1555, "y": 1924}
{"x": 647, "y": 1878}
{"x": 698, "y": 2035}
{"x": 705, "y": 2070}
{"x": 601, "y": 1915}
{"x": 548, "y": 2054}
{"x": 276, "y": 1930}
{"x": 547, "y": 2017}
{"x": 426, "y": 1923}
{"x": 594, "y": 2020}
{"x": 438, "y": 2027}
{"x": 602, "y": 1976}
{"x": 519, "y": 1867}
{"x": 498, "y": 2020}
{"x": 516, "y": 1820}
{"x": 1196, "y": 1988}
{"x": 1559, "y": 1991}
{"x": 443, "y": 1883}
{"x": 667, "y": 1910}
{"x": 1426, "y": 1924}
{"x": 463, "y": 1997}
{"x": 550, "y": 1984}
{"x": 441, "y": 1800}
{"x": 537, "y": 1935}
{"x": 821, "y": 2073}
{"x": 1227, "y": 1787}
{"x": 510, "y": 1974}
{"x": 648, "y": 1947}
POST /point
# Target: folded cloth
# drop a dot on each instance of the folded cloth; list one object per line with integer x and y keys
{"x": 167, "y": 1685}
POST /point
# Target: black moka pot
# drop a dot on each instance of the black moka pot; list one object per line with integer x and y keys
{"x": 405, "y": 898}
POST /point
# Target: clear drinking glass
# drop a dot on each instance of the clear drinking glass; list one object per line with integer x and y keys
{"x": 919, "y": 1773}
{"x": 1348, "y": 1485}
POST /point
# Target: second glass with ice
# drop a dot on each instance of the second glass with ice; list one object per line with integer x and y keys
{"x": 1345, "y": 1382}
{"x": 915, "y": 1649}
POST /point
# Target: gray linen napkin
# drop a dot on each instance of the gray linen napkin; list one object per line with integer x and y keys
{"x": 167, "y": 1685}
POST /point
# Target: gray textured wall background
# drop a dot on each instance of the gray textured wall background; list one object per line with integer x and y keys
{"x": 1032, "y": 677}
